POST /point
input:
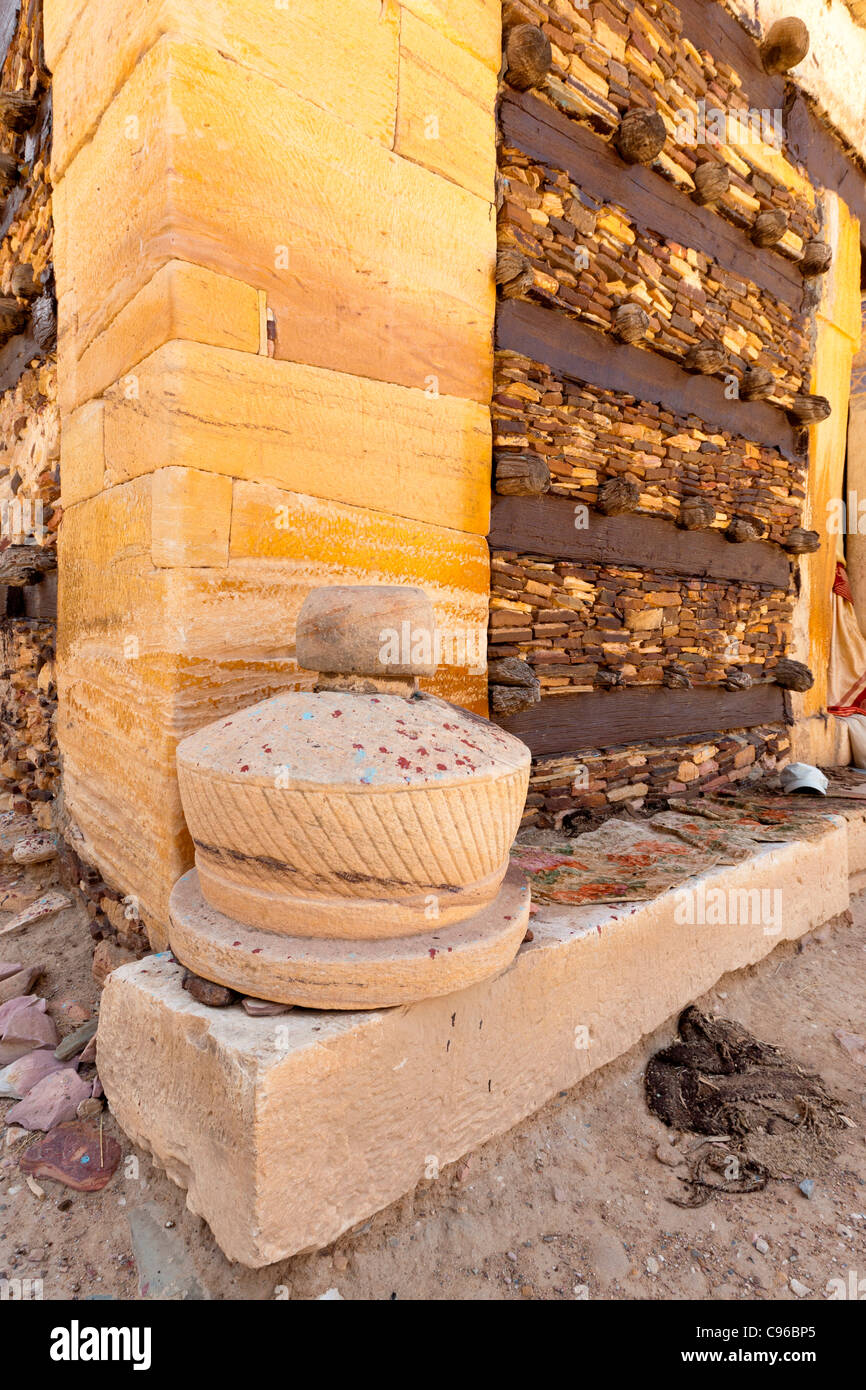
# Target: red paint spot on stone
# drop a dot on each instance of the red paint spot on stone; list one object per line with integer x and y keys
{"x": 402, "y": 762}
{"x": 431, "y": 953}
{"x": 257, "y": 951}
{"x": 336, "y": 714}
{"x": 245, "y": 768}
{"x": 440, "y": 767}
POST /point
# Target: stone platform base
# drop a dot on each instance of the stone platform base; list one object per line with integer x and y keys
{"x": 329, "y": 973}
{"x": 287, "y": 1131}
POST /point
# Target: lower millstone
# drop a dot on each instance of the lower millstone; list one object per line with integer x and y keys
{"x": 338, "y": 973}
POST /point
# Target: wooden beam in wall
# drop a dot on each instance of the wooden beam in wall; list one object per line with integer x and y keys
{"x": 652, "y": 202}
{"x": 710, "y": 26}
{"x": 816, "y": 147}
{"x": 545, "y": 526}
{"x": 23, "y": 564}
{"x": 566, "y": 724}
{"x": 576, "y": 350}
{"x": 16, "y": 356}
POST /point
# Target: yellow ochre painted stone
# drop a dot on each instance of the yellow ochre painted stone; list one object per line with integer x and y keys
{"x": 323, "y": 433}
{"x": 347, "y": 66}
{"x": 444, "y": 108}
{"x": 191, "y": 518}
{"x": 372, "y": 264}
{"x": 181, "y": 301}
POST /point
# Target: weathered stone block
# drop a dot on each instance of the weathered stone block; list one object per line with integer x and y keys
{"x": 402, "y": 307}
{"x": 323, "y": 433}
{"x": 288, "y": 1131}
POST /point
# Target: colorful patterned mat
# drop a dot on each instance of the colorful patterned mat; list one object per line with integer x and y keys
{"x": 628, "y": 860}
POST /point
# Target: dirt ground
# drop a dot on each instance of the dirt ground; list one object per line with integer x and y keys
{"x": 572, "y": 1204}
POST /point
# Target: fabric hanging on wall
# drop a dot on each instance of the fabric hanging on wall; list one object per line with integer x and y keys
{"x": 846, "y": 681}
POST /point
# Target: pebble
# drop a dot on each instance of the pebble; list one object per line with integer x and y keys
{"x": 652, "y": 1265}
{"x": 206, "y": 992}
{"x": 263, "y": 1008}
{"x": 75, "y": 1042}
{"x": 807, "y": 1187}
{"x": 761, "y": 1245}
{"x": 801, "y": 1290}
{"x": 510, "y": 1255}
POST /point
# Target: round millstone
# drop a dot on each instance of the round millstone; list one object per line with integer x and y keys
{"x": 317, "y": 973}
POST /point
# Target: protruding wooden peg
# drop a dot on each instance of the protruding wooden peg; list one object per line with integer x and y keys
{"x": 528, "y": 57}
{"x": 641, "y": 135}
{"x": 785, "y": 45}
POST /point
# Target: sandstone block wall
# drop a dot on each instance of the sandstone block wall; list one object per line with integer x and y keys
{"x": 275, "y": 362}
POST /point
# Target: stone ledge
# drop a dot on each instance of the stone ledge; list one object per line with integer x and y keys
{"x": 288, "y": 1131}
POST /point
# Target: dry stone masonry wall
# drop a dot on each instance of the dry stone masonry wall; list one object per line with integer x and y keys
{"x": 655, "y": 338}
{"x": 30, "y": 511}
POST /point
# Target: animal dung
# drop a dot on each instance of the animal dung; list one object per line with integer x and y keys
{"x": 737, "y": 680}
{"x": 513, "y": 699}
{"x": 696, "y": 514}
{"x": 630, "y": 323}
{"x": 676, "y": 677}
{"x": 757, "y": 384}
{"x": 817, "y": 258}
{"x": 45, "y": 321}
{"x": 13, "y": 319}
{"x": 607, "y": 678}
{"x": 741, "y": 529}
{"x": 23, "y": 284}
{"x": 801, "y": 542}
{"x": 711, "y": 181}
{"x": 706, "y": 357}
